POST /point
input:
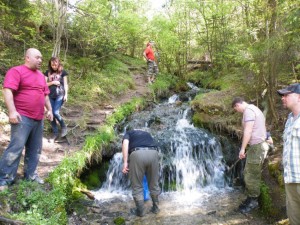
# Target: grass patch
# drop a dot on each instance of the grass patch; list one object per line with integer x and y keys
{"x": 96, "y": 84}
{"x": 275, "y": 171}
{"x": 36, "y": 205}
{"x": 162, "y": 85}
{"x": 265, "y": 200}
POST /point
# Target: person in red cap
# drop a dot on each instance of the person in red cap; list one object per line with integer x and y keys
{"x": 149, "y": 55}
{"x": 290, "y": 97}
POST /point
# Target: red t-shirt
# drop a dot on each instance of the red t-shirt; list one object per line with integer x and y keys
{"x": 29, "y": 90}
{"x": 149, "y": 53}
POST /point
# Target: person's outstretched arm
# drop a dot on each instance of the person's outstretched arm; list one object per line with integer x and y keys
{"x": 125, "y": 145}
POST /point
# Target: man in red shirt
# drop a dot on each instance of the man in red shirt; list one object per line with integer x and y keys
{"x": 152, "y": 66}
{"x": 25, "y": 94}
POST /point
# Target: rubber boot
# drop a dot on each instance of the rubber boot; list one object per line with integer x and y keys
{"x": 249, "y": 204}
{"x": 154, "y": 208}
{"x": 139, "y": 211}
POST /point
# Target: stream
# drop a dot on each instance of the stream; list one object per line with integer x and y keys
{"x": 197, "y": 187}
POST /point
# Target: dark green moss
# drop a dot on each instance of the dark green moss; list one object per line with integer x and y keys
{"x": 119, "y": 221}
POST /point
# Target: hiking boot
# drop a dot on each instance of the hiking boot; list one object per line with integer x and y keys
{"x": 36, "y": 179}
{"x": 139, "y": 210}
{"x": 64, "y": 131}
{"x": 155, "y": 202}
{"x": 249, "y": 204}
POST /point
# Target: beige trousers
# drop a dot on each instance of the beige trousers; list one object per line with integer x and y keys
{"x": 293, "y": 202}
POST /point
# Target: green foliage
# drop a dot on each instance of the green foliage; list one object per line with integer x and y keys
{"x": 162, "y": 85}
{"x": 276, "y": 171}
{"x": 14, "y": 11}
{"x": 130, "y": 61}
{"x": 130, "y": 27}
{"x": 267, "y": 208}
{"x": 167, "y": 43}
{"x": 265, "y": 200}
{"x": 92, "y": 176}
{"x": 91, "y": 84}
{"x": 119, "y": 221}
{"x": 34, "y": 205}
{"x": 124, "y": 111}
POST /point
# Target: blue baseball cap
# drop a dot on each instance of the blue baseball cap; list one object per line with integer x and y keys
{"x": 293, "y": 88}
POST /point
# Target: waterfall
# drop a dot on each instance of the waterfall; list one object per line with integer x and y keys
{"x": 115, "y": 180}
{"x": 191, "y": 159}
{"x": 173, "y": 99}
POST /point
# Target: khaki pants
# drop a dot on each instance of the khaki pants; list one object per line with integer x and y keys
{"x": 152, "y": 69}
{"x": 292, "y": 191}
{"x": 143, "y": 162}
{"x": 252, "y": 172}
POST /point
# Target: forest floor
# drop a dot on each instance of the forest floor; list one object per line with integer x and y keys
{"x": 54, "y": 152}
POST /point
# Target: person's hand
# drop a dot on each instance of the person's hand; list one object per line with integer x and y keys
{"x": 65, "y": 98}
{"x": 242, "y": 154}
{"x": 56, "y": 82}
{"x": 125, "y": 169}
{"x": 49, "y": 115}
{"x": 15, "y": 117}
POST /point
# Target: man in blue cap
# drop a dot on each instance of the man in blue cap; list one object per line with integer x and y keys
{"x": 290, "y": 97}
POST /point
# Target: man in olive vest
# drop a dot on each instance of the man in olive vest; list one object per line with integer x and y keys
{"x": 254, "y": 135}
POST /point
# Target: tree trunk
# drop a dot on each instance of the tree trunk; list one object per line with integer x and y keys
{"x": 273, "y": 62}
{"x": 60, "y": 7}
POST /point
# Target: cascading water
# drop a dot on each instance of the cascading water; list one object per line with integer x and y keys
{"x": 195, "y": 157}
{"x": 191, "y": 159}
{"x": 195, "y": 187}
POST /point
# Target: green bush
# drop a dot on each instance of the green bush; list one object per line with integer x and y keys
{"x": 35, "y": 205}
{"x": 265, "y": 200}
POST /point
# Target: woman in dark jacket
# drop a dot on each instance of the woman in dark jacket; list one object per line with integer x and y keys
{"x": 56, "y": 78}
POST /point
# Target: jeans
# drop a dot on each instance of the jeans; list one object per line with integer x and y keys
{"x": 27, "y": 133}
{"x": 56, "y": 104}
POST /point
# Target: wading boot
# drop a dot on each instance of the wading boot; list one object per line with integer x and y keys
{"x": 154, "y": 208}
{"x": 139, "y": 211}
{"x": 249, "y": 204}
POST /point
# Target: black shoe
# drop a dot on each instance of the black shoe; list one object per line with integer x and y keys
{"x": 155, "y": 209}
{"x": 139, "y": 211}
{"x": 249, "y": 204}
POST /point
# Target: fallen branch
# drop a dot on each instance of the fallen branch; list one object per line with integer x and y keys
{"x": 10, "y": 221}
{"x": 89, "y": 194}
